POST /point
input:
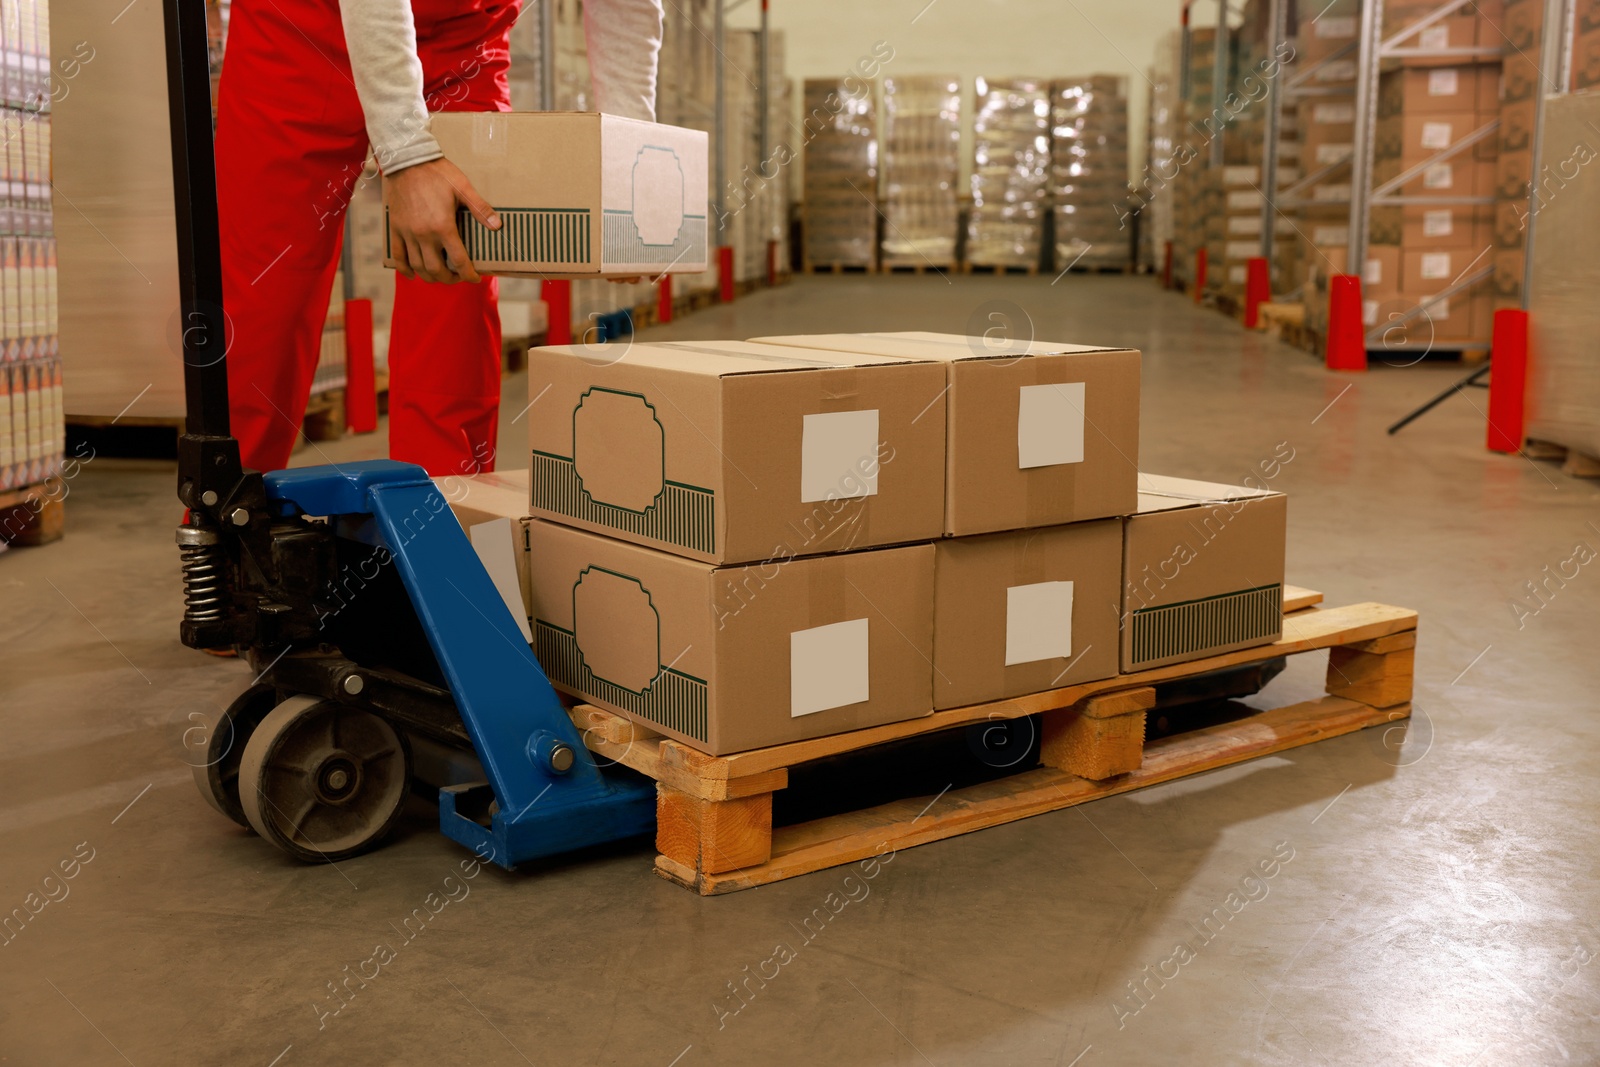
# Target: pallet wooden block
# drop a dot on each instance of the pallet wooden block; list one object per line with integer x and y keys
{"x": 714, "y": 813}
{"x": 32, "y": 515}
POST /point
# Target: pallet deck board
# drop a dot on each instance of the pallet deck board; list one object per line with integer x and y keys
{"x": 860, "y": 835}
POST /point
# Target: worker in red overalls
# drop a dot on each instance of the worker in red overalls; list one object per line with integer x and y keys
{"x": 308, "y": 86}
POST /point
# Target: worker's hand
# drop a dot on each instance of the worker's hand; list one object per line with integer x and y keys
{"x": 422, "y": 221}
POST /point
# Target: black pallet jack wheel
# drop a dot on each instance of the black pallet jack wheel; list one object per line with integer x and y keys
{"x": 323, "y": 781}
{"x": 217, "y": 772}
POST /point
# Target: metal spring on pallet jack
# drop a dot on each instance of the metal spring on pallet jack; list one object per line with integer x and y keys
{"x": 201, "y": 557}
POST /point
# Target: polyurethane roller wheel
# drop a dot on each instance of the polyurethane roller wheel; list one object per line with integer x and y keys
{"x": 216, "y": 763}
{"x": 323, "y": 781}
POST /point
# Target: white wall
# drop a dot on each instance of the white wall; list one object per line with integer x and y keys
{"x": 993, "y": 38}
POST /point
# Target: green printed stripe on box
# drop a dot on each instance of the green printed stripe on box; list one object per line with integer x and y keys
{"x": 623, "y": 244}
{"x": 683, "y": 515}
{"x": 672, "y": 699}
{"x": 529, "y": 235}
{"x": 1195, "y": 625}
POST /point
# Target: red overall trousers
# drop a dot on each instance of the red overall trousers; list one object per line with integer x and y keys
{"x": 290, "y": 145}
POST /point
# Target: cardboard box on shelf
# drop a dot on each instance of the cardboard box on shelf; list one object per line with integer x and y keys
{"x": 733, "y": 658}
{"x": 1437, "y": 90}
{"x": 1452, "y": 227}
{"x": 579, "y": 194}
{"x": 1040, "y": 433}
{"x": 493, "y": 511}
{"x": 1025, "y": 611}
{"x": 1458, "y": 30}
{"x": 1202, "y": 570}
{"x": 729, "y": 452}
{"x": 1381, "y": 274}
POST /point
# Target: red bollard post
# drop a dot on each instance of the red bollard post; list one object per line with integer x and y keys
{"x": 664, "y": 299}
{"x": 361, "y": 385}
{"x": 1257, "y": 290}
{"x": 1199, "y": 274}
{"x": 1347, "y": 337}
{"x": 557, "y": 294}
{"x": 1508, "y": 380}
{"x": 725, "y": 290}
{"x": 1166, "y": 267}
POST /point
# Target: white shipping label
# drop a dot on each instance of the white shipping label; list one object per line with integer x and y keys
{"x": 1333, "y": 152}
{"x": 1337, "y": 70}
{"x": 1438, "y": 311}
{"x": 1438, "y": 176}
{"x": 1369, "y": 313}
{"x": 1244, "y": 200}
{"x": 1436, "y": 135}
{"x": 1334, "y": 27}
{"x": 1330, "y": 236}
{"x": 495, "y": 542}
{"x": 1338, "y": 193}
{"x": 839, "y": 455}
{"x": 1050, "y": 424}
{"x": 1038, "y": 622}
{"x": 1333, "y": 114}
{"x": 1434, "y": 37}
{"x": 1435, "y": 265}
{"x": 1372, "y": 272}
{"x": 1444, "y": 82}
{"x": 1244, "y": 224}
{"x": 827, "y": 667}
{"x": 1440, "y": 223}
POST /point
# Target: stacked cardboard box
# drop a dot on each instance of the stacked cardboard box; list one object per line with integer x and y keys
{"x": 748, "y": 543}
{"x": 31, "y": 430}
{"x": 1520, "y": 25}
{"x": 1424, "y": 248}
{"x": 921, "y": 169}
{"x": 841, "y": 172}
{"x": 1010, "y": 172}
{"x": 1089, "y": 171}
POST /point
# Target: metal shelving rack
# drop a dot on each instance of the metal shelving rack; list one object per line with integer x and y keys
{"x": 1370, "y": 49}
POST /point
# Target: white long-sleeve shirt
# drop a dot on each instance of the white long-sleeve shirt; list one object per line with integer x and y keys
{"x": 624, "y": 43}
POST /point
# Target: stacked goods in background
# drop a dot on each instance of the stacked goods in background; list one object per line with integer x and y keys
{"x": 1092, "y": 213}
{"x": 1586, "y": 49}
{"x": 1152, "y": 194}
{"x": 1428, "y": 104}
{"x": 840, "y": 213}
{"x": 1520, "y": 26}
{"x": 1010, "y": 173}
{"x": 921, "y": 170}
{"x": 756, "y": 198}
{"x": 1188, "y": 179}
{"x": 1325, "y": 112}
{"x": 31, "y": 425}
{"x": 686, "y": 96}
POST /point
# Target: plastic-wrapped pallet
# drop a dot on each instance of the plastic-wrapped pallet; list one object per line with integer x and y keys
{"x": 1010, "y": 170}
{"x": 921, "y": 169}
{"x": 841, "y": 173}
{"x": 686, "y": 96}
{"x": 1089, "y": 171}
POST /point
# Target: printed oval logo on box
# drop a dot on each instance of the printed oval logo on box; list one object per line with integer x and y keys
{"x": 618, "y": 629}
{"x": 618, "y": 449}
{"x": 658, "y": 217}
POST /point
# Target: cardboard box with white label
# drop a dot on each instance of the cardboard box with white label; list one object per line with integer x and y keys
{"x": 730, "y": 452}
{"x": 1202, "y": 571}
{"x": 732, "y": 658}
{"x": 1025, "y": 611}
{"x": 579, "y": 194}
{"x": 1040, "y": 433}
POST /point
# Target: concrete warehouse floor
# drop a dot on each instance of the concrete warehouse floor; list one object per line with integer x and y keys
{"x": 1432, "y": 903}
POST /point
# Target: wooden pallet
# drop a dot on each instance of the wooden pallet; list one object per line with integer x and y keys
{"x": 324, "y": 419}
{"x": 33, "y": 514}
{"x": 715, "y": 832}
{"x": 1100, "y": 268}
{"x": 1029, "y": 269}
{"x": 839, "y": 268}
{"x": 918, "y": 266}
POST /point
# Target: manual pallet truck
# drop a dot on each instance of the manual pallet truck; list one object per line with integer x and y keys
{"x": 387, "y": 658}
{"x": 421, "y": 671}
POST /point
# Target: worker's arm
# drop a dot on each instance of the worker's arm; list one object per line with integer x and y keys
{"x": 624, "y": 46}
{"x": 421, "y": 186}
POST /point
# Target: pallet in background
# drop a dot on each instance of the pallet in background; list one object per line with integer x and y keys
{"x": 839, "y": 268}
{"x": 32, "y": 515}
{"x": 715, "y": 831}
{"x": 324, "y": 420}
{"x": 918, "y": 266}
{"x": 1029, "y": 269}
